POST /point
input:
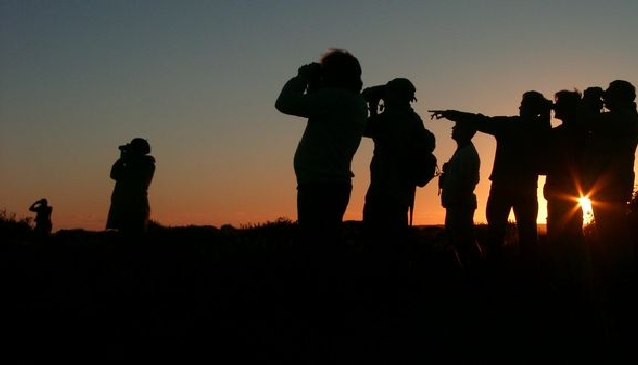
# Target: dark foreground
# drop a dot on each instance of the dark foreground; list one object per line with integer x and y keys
{"x": 201, "y": 295}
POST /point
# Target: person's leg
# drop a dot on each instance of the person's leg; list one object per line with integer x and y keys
{"x": 497, "y": 212}
{"x": 320, "y": 210}
{"x": 617, "y": 265}
{"x": 526, "y": 213}
{"x": 459, "y": 224}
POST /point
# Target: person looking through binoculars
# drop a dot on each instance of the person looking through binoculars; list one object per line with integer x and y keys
{"x": 43, "y": 224}
{"x": 399, "y": 135}
{"x": 133, "y": 172}
{"x": 327, "y": 93}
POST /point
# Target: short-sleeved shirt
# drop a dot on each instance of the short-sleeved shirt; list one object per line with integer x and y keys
{"x": 462, "y": 174}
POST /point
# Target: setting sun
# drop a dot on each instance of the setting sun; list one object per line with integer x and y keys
{"x": 588, "y": 214}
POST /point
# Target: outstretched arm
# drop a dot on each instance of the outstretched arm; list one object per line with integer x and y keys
{"x": 453, "y": 115}
{"x": 481, "y": 122}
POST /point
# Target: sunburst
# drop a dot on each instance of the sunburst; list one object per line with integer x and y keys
{"x": 588, "y": 213}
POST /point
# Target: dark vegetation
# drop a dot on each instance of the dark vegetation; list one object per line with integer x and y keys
{"x": 241, "y": 295}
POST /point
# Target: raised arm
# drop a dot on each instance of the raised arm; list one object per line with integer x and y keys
{"x": 293, "y": 99}
{"x": 37, "y": 205}
{"x": 33, "y": 206}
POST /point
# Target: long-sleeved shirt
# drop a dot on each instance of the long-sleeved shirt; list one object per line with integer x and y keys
{"x": 336, "y": 119}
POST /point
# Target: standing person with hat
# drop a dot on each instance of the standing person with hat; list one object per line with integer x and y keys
{"x": 398, "y": 134}
{"x": 457, "y": 182}
{"x": 133, "y": 172}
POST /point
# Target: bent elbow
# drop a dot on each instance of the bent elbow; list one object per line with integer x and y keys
{"x": 281, "y": 106}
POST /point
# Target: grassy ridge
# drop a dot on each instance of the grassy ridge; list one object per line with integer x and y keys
{"x": 244, "y": 295}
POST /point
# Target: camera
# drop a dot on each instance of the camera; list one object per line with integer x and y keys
{"x": 373, "y": 96}
{"x": 124, "y": 148}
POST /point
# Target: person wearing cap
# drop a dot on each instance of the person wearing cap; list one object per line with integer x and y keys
{"x": 395, "y": 133}
{"x": 460, "y": 176}
{"x": 133, "y": 173}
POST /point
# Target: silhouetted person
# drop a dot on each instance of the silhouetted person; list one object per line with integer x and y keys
{"x": 399, "y": 137}
{"x": 133, "y": 173}
{"x": 460, "y": 176}
{"x": 565, "y": 163}
{"x": 516, "y": 167}
{"x": 43, "y": 211}
{"x": 395, "y": 133}
{"x": 328, "y": 95}
{"x": 615, "y": 136}
{"x": 591, "y": 106}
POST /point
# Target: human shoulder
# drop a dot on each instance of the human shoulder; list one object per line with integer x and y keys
{"x": 331, "y": 98}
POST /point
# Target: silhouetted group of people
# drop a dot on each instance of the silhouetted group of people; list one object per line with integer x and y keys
{"x": 590, "y": 154}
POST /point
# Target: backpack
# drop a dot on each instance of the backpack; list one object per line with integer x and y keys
{"x": 423, "y": 165}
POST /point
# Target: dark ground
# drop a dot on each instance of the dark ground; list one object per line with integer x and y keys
{"x": 198, "y": 294}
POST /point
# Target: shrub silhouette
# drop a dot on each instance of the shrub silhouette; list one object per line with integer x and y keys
{"x": 12, "y": 227}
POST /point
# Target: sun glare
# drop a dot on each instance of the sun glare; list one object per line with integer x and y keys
{"x": 588, "y": 214}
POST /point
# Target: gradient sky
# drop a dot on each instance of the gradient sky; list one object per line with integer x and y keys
{"x": 198, "y": 80}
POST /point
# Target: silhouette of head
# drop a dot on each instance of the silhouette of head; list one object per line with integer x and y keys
{"x": 619, "y": 93}
{"x": 463, "y": 132}
{"x": 593, "y": 98}
{"x": 140, "y": 146}
{"x": 567, "y": 104}
{"x": 341, "y": 69}
{"x": 534, "y": 104}
{"x": 399, "y": 91}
